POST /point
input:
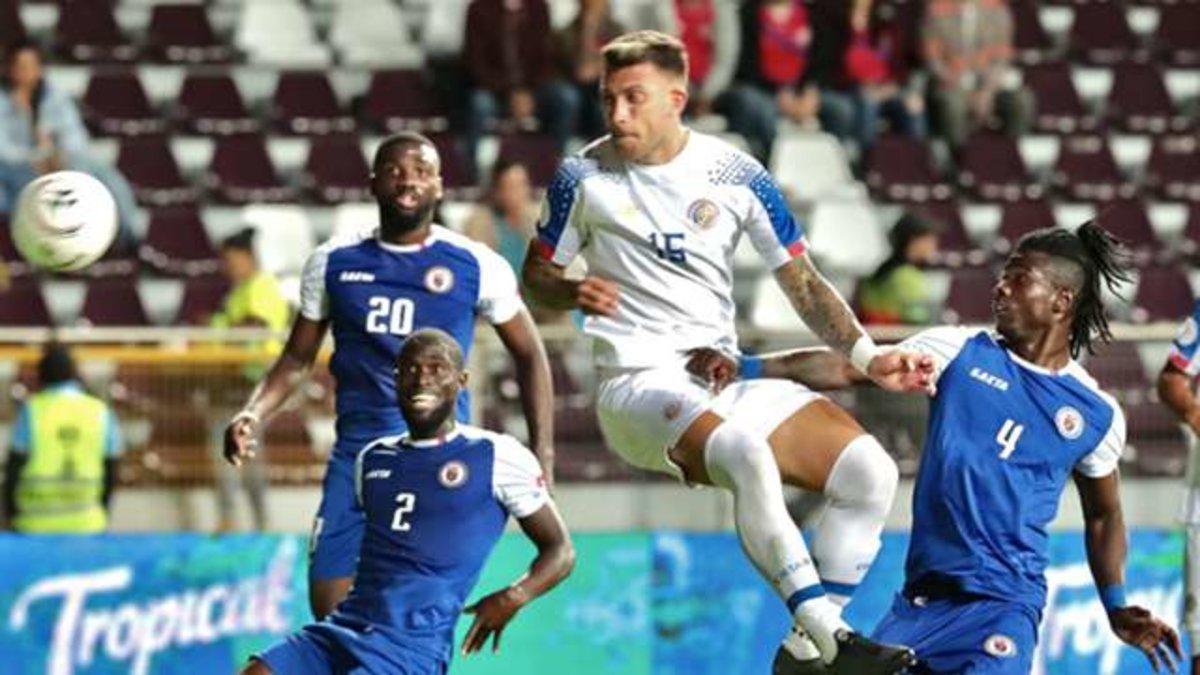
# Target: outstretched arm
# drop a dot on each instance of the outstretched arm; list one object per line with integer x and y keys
{"x": 521, "y": 339}
{"x": 555, "y": 560}
{"x": 1175, "y": 390}
{"x": 548, "y": 286}
{"x": 285, "y": 375}
{"x": 1105, "y": 539}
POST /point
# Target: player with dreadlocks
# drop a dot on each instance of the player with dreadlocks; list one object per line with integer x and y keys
{"x": 1013, "y": 416}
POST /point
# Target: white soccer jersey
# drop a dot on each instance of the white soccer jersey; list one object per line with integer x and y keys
{"x": 666, "y": 235}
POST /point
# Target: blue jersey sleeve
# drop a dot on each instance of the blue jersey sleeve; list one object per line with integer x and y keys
{"x": 560, "y": 234}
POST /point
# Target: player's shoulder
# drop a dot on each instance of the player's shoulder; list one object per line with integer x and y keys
{"x": 470, "y": 250}
{"x": 340, "y": 242}
{"x": 1089, "y": 384}
{"x": 950, "y": 339}
{"x": 723, "y": 163}
{"x": 508, "y": 451}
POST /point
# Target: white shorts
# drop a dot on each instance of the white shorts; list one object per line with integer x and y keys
{"x": 644, "y": 412}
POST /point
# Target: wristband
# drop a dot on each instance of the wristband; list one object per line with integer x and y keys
{"x": 863, "y": 352}
{"x": 750, "y": 367}
{"x": 1113, "y": 597}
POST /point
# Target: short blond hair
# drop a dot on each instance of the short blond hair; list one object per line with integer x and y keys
{"x": 646, "y": 46}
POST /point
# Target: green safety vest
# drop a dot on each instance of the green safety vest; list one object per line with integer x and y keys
{"x": 61, "y": 486}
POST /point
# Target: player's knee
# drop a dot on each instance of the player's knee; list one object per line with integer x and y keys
{"x": 864, "y": 475}
{"x": 738, "y": 454}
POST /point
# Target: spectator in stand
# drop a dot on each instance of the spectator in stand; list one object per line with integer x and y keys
{"x": 506, "y": 220}
{"x": 897, "y": 293}
{"x": 41, "y": 131}
{"x": 579, "y": 53}
{"x": 875, "y": 61}
{"x": 773, "y": 60}
{"x": 509, "y": 56}
{"x": 967, "y": 46}
{"x": 825, "y": 82}
{"x": 709, "y": 30}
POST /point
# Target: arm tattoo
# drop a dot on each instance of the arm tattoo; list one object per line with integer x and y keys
{"x": 819, "y": 305}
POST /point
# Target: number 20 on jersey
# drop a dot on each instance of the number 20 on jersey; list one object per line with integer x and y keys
{"x": 390, "y": 315}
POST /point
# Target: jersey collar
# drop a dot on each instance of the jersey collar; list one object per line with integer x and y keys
{"x": 409, "y": 248}
{"x": 1070, "y": 364}
{"x": 431, "y": 442}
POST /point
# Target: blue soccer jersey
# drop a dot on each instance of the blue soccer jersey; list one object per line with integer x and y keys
{"x": 1004, "y": 437}
{"x": 375, "y": 294}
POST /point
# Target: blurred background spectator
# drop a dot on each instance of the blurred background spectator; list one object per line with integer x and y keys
{"x": 41, "y": 131}
{"x": 711, "y": 34}
{"x": 897, "y": 292}
{"x": 506, "y": 219}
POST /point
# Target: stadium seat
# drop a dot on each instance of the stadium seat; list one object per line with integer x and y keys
{"x": 537, "y": 152}
{"x": 161, "y": 298}
{"x": 115, "y": 104}
{"x": 241, "y": 172}
{"x": 902, "y": 169}
{"x": 1117, "y": 367}
{"x": 1030, "y": 41}
{"x": 1163, "y": 294}
{"x": 87, "y": 32}
{"x": 373, "y": 33}
{"x": 1173, "y": 170}
{"x": 956, "y": 247}
{"x": 1191, "y": 232}
{"x": 113, "y": 302}
{"x": 991, "y": 167}
{"x": 284, "y": 237}
{"x": 1020, "y": 218}
{"x": 120, "y": 260}
{"x": 825, "y": 171}
{"x": 354, "y": 219}
{"x": 969, "y": 300}
{"x": 152, "y": 171}
{"x": 12, "y": 28}
{"x": 279, "y": 33}
{"x": 336, "y": 170}
{"x": 14, "y": 265}
{"x": 1101, "y": 34}
{"x": 202, "y": 297}
{"x": 1155, "y": 440}
{"x": 1126, "y": 219}
{"x": 22, "y": 304}
{"x": 456, "y": 172}
{"x": 1087, "y": 171}
{"x": 846, "y": 237}
{"x": 305, "y": 103}
{"x": 183, "y": 34}
{"x": 402, "y": 99}
{"x": 212, "y": 105}
{"x": 1177, "y": 40}
{"x": 1060, "y": 110}
{"x": 177, "y": 245}
{"x": 1139, "y": 101}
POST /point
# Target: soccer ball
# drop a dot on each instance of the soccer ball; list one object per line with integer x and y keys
{"x": 64, "y": 221}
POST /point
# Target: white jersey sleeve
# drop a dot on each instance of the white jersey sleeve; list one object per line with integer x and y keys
{"x": 517, "y": 480}
{"x": 499, "y": 299}
{"x": 560, "y": 231}
{"x": 769, "y": 223}
{"x": 1185, "y": 349}
{"x": 1107, "y": 456}
{"x": 314, "y": 305}
{"x": 942, "y": 344}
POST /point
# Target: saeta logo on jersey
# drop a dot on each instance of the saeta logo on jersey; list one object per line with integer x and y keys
{"x": 1069, "y": 422}
{"x": 453, "y": 474}
{"x": 439, "y": 279}
{"x": 703, "y": 213}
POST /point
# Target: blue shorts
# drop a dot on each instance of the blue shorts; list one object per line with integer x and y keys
{"x": 971, "y": 635}
{"x": 332, "y": 648}
{"x": 338, "y": 528}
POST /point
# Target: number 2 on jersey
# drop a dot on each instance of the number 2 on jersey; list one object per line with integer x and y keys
{"x": 406, "y": 501}
{"x": 1007, "y": 437}
{"x": 390, "y": 316}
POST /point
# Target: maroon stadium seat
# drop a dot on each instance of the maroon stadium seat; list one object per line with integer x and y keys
{"x": 113, "y": 302}
{"x": 120, "y": 260}
{"x": 1020, "y": 218}
{"x": 152, "y": 171}
{"x": 336, "y": 170}
{"x": 12, "y": 29}
{"x": 991, "y": 166}
{"x": 116, "y": 104}
{"x": 12, "y": 261}
{"x": 402, "y": 99}
{"x": 1155, "y": 440}
{"x": 1030, "y": 41}
{"x": 1163, "y": 294}
{"x": 456, "y": 172}
{"x": 1177, "y": 40}
{"x": 901, "y": 169}
{"x": 176, "y": 243}
{"x": 1117, "y": 367}
{"x": 1139, "y": 101}
{"x": 1087, "y": 171}
{"x": 202, "y": 297}
{"x": 537, "y": 152}
{"x": 241, "y": 172}
{"x": 1059, "y": 108}
{"x": 305, "y": 103}
{"x": 970, "y": 297}
{"x": 1173, "y": 170}
{"x": 956, "y": 248}
{"x": 1126, "y": 219}
{"x": 22, "y": 304}
{"x": 1191, "y": 232}
{"x": 88, "y": 32}
{"x": 183, "y": 34}
{"x": 1101, "y": 34}
{"x": 212, "y": 104}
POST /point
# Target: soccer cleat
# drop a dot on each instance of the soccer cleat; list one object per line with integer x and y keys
{"x": 786, "y": 664}
{"x": 859, "y": 656}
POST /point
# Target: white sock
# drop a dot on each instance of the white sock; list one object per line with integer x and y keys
{"x": 800, "y": 645}
{"x": 743, "y": 463}
{"x": 859, "y": 494}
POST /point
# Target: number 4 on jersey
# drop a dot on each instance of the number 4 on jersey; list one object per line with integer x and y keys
{"x": 1007, "y": 437}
